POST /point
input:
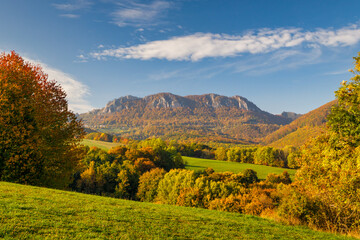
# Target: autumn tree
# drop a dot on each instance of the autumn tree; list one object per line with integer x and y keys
{"x": 39, "y": 136}
{"x": 329, "y": 177}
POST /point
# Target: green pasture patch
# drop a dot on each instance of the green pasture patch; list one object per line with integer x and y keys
{"x": 235, "y": 167}
{"x": 100, "y": 144}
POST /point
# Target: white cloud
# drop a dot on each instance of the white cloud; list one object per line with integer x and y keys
{"x": 75, "y": 90}
{"x": 73, "y": 5}
{"x": 137, "y": 14}
{"x": 277, "y": 61}
{"x": 82, "y": 58}
{"x": 204, "y": 45}
{"x": 70, "y": 16}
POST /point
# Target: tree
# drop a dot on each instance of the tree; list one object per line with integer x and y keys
{"x": 39, "y": 136}
{"x": 329, "y": 176}
{"x": 148, "y": 184}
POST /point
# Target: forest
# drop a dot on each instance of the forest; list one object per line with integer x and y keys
{"x": 41, "y": 145}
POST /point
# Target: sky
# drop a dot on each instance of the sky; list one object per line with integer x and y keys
{"x": 281, "y": 55}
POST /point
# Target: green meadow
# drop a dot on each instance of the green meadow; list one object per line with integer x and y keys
{"x": 99, "y": 144}
{"x": 235, "y": 167}
{"x": 28, "y": 212}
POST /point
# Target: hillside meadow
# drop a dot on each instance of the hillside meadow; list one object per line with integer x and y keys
{"x": 235, "y": 167}
{"x": 28, "y": 212}
{"x": 99, "y": 144}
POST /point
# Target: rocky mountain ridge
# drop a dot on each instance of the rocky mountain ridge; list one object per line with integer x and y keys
{"x": 169, "y": 100}
{"x": 207, "y": 117}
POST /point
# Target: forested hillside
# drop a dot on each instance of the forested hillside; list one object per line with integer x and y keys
{"x": 299, "y": 131}
{"x": 208, "y": 117}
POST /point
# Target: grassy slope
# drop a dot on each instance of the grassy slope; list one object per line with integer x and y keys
{"x": 36, "y": 213}
{"x": 100, "y": 144}
{"x": 223, "y": 166}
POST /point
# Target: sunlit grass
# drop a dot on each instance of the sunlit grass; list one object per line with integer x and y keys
{"x": 223, "y": 166}
{"x": 100, "y": 144}
{"x": 38, "y": 213}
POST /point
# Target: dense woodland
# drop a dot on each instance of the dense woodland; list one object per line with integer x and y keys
{"x": 40, "y": 145}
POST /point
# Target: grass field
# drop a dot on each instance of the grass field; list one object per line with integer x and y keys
{"x": 38, "y": 213}
{"x": 223, "y": 166}
{"x": 100, "y": 144}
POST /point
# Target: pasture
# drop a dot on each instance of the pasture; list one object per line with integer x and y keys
{"x": 235, "y": 167}
{"x": 28, "y": 212}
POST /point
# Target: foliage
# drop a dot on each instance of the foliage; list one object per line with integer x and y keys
{"x": 329, "y": 177}
{"x": 270, "y": 157}
{"x": 39, "y": 136}
{"x": 117, "y": 172}
{"x": 101, "y": 137}
{"x": 172, "y": 183}
{"x": 148, "y": 184}
{"x": 278, "y": 178}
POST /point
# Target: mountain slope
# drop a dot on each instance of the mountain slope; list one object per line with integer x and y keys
{"x": 208, "y": 117}
{"x": 28, "y": 212}
{"x": 299, "y": 131}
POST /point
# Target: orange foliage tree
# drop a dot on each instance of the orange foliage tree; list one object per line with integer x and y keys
{"x": 39, "y": 136}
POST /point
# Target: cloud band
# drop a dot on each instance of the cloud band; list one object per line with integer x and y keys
{"x": 206, "y": 45}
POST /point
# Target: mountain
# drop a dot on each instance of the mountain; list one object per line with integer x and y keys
{"x": 291, "y": 115}
{"x": 208, "y": 117}
{"x": 300, "y": 130}
{"x": 169, "y": 100}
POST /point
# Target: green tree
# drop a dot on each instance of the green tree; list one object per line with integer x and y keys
{"x": 39, "y": 136}
{"x": 220, "y": 154}
{"x": 148, "y": 184}
{"x": 173, "y": 182}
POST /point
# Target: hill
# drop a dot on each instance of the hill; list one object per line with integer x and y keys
{"x": 208, "y": 117}
{"x": 28, "y": 212}
{"x": 300, "y": 130}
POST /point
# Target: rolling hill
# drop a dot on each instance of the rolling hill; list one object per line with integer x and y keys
{"x": 208, "y": 117}
{"x": 28, "y": 212}
{"x": 300, "y": 130}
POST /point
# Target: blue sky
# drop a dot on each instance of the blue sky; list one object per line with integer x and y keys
{"x": 281, "y": 55}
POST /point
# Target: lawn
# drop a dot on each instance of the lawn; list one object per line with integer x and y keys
{"x": 100, "y": 144}
{"x": 223, "y": 166}
{"x": 28, "y": 212}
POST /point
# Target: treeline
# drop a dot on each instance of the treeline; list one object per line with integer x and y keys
{"x": 263, "y": 155}
{"x": 106, "y": 137}
{"x": 153, "y": 171}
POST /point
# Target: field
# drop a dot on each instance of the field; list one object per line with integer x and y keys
{"x": 28, "y": 212}
{"x": 100, "y": 144}
{"x": 201, "y": 164}
{"x": 223, "y": 166}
